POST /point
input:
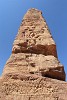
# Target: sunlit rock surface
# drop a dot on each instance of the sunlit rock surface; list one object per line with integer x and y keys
{"x": 33, "y": 71}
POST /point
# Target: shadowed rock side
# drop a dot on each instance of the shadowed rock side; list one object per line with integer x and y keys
{"x": 33, "y": 71}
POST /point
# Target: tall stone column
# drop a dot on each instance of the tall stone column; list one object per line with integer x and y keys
{"x": 33, "y": 71}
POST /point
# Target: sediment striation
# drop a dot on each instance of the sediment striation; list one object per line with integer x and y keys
{"x": 33, "y": 71}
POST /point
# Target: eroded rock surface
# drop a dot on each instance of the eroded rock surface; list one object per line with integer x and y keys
{"x": 38, "y": 64}
{"x": 34, "y": 36}
{"x": 33, "y": 71}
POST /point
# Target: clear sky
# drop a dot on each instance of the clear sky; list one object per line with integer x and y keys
{"x": 11, "y": 14}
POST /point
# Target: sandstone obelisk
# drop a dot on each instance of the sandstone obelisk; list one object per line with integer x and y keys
{"x": 33, "y": 71}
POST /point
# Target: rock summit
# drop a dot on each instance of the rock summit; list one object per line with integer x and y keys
{"x": 33, "y": 71}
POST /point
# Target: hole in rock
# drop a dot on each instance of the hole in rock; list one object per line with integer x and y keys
{"x": 31, "y": 72}
{"x": 32, "y": 64}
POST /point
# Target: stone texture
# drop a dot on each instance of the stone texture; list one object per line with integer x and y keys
{"x": 33, "y": 71}
{"x": 39, "y": 64}
{"x": 37, "y": 88}
{"x": 34, "y": 36}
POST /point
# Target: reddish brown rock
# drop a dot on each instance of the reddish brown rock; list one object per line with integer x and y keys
{"x": 33, "y": 71}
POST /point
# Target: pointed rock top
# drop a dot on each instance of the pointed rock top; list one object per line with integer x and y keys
{"x": 34, "y": 10}
{"x": 33, "y": 71}
{"x": 34, "y": 35}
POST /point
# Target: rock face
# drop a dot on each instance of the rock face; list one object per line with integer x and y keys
{"x": 34, "y": 36}
{"x": 33, "y": 71}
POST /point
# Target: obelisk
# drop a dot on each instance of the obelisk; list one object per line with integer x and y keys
{"x": 33, "y": 71}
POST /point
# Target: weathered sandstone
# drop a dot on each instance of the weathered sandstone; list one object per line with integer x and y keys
{"x": 38, "y": 64}
{"x": 33, "y": 71}
{"x": 34, "y": 36}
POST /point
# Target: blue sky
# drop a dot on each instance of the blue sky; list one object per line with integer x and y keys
{"x": 11, "y": 14}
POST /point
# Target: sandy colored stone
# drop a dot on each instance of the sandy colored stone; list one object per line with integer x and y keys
{"x": 33, "y": 71}
{"x": 37, "y": 89}
{"x": 48, "y": 66}
{"x": 34, "y": 36}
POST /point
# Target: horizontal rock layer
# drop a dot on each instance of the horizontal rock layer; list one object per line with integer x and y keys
{"x": 33, "y": 88}
{"x": 48, "y": 66}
